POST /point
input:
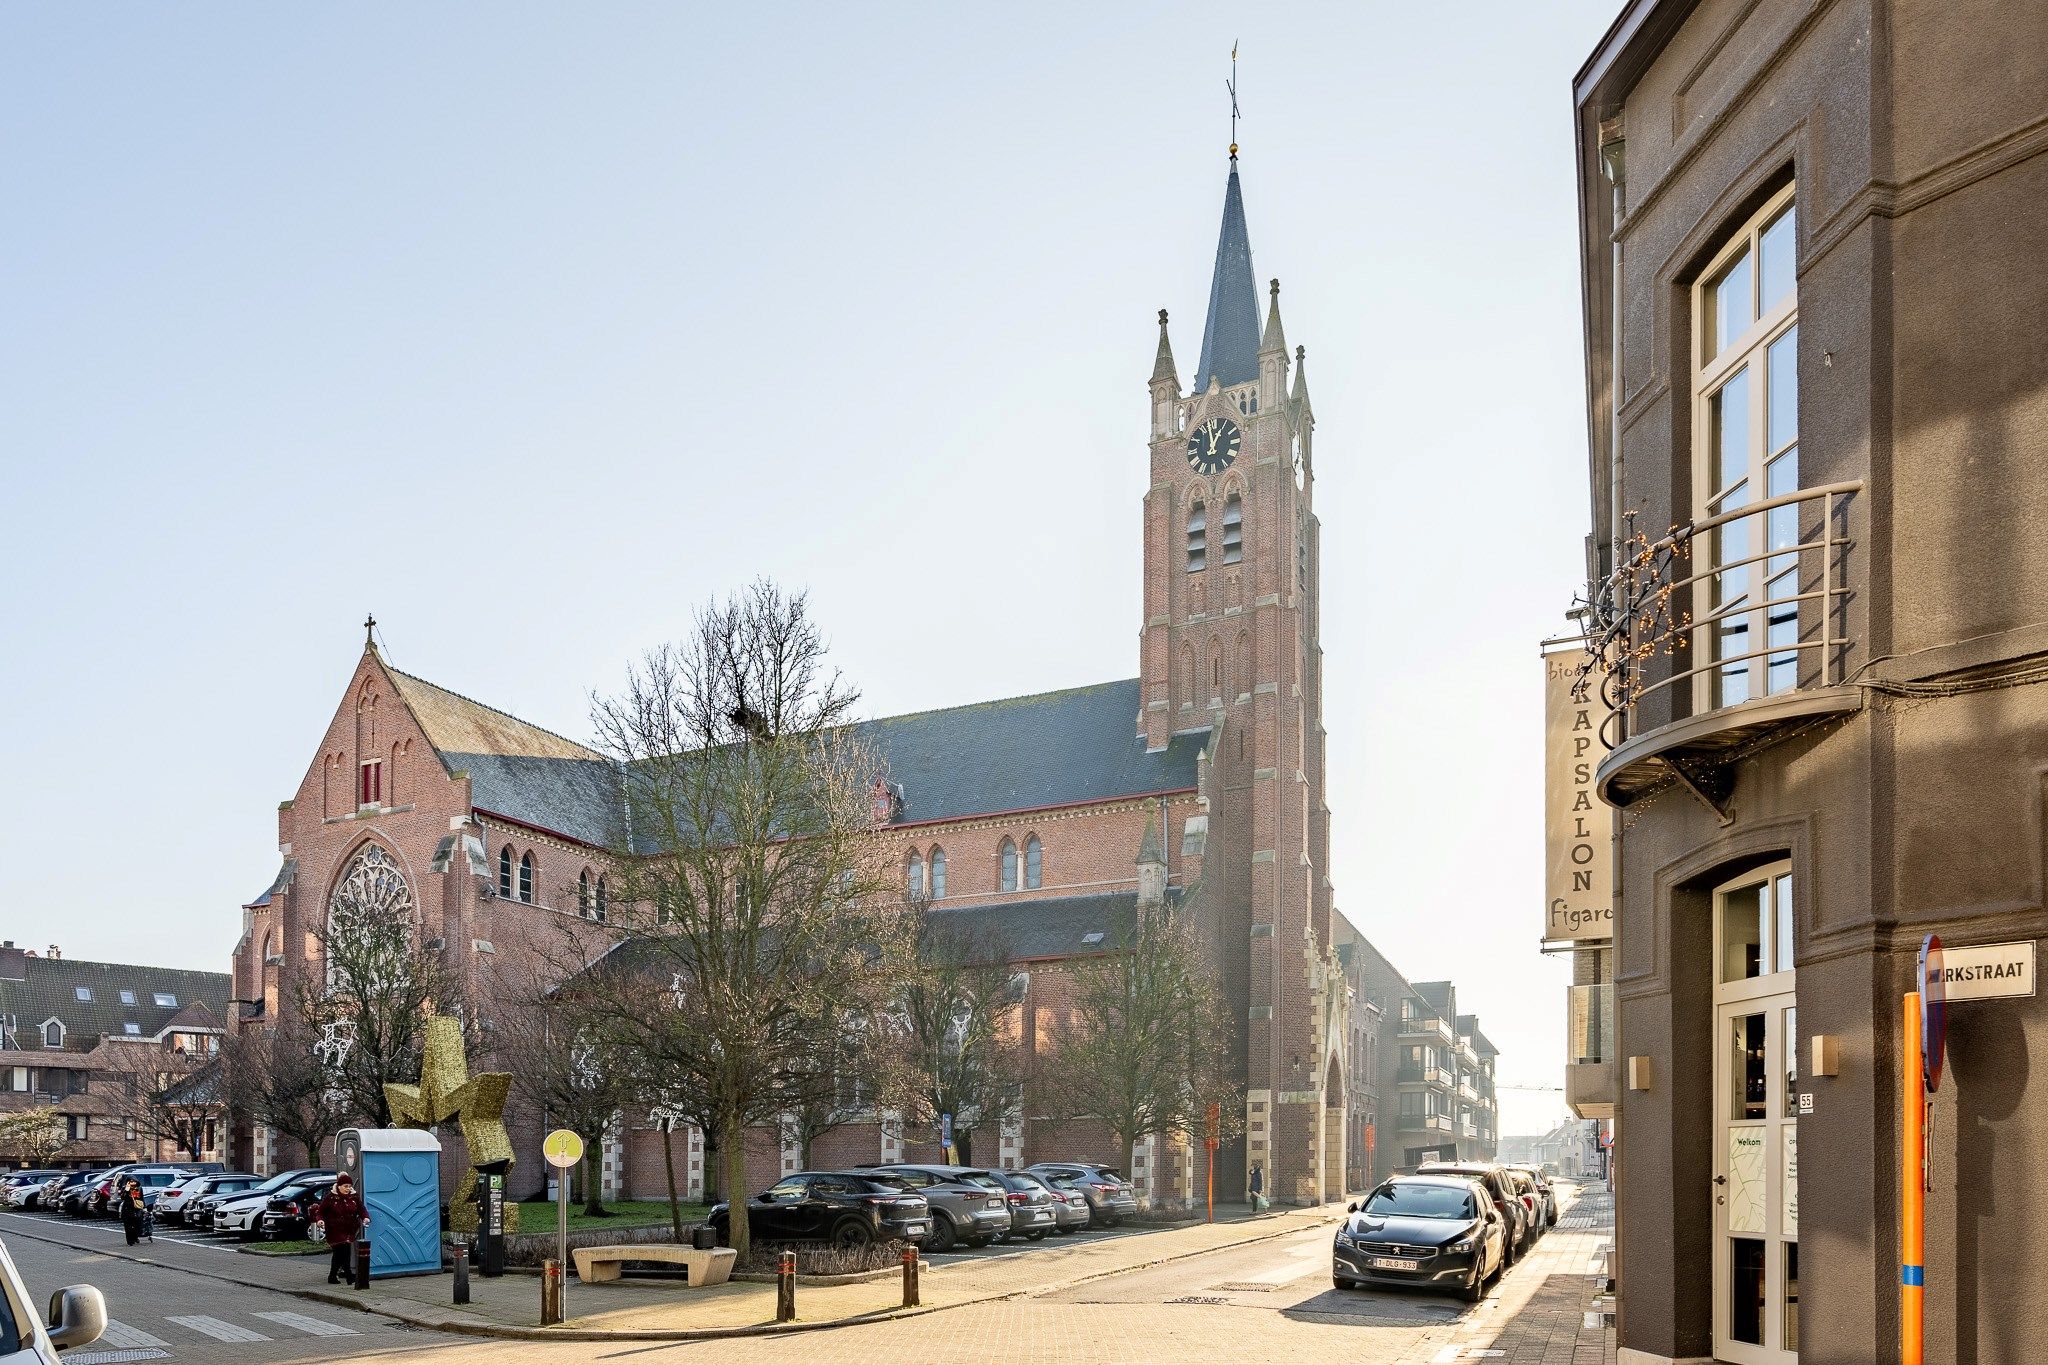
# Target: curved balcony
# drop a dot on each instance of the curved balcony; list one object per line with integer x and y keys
{"x": 1692, "y": 694}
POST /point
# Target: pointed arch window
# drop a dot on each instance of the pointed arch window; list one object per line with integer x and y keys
{"x": 1233, "y": 530}
{"x": 584, "y": 906}
{"x": 526, "y": 877}
{"x": 505, "y": 872}
{"x": 602, "y": 898}
{"x": 53, "y": 1033}
{"x": 938, "y": 874}
{"x": 1009, "y": 854}
{"x": 1198, "y": 538}
{"x": 1034, "y": 863}
{"x": 914, "y": 878}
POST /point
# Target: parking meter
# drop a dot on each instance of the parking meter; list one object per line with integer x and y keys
{"x": 489, "y": 1254}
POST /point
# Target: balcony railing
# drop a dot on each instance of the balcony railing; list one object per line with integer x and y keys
{"x": 1425, "y": 1026}
{"x": 1421, "y": 1075}
{"x": 1426, "y": 1123}
{"x": 1696, "y": 632}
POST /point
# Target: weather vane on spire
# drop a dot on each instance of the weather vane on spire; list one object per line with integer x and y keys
{"x": 1231, "y": 86}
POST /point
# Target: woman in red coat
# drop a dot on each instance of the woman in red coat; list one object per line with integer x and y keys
{"x": 343, "y": 1213}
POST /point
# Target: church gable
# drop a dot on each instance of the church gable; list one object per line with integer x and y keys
{"x": 373, "y": 754}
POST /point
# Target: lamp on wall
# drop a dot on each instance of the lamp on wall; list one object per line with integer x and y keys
{"x": 1639, "y": 1073}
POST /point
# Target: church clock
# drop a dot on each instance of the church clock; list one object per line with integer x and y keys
{"x": 1213, "y": 446}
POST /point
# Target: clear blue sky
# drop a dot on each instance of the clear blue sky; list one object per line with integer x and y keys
{"x": 530, "y": 327}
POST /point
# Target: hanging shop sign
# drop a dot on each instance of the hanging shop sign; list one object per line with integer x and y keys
{"x": 1578, "y": 880}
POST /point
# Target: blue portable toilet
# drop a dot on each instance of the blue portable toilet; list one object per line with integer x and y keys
{"x": 398, "y": 1171}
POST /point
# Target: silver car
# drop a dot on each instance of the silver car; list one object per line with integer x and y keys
{"x": 1110, "y": 1199}
{"x": 1069, "y": 1205}
{"x": 1031, "y": 1208}
{"x": 968, "y": 1204}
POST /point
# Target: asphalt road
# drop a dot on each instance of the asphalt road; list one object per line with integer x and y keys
{"x": 1254, "y": 1302}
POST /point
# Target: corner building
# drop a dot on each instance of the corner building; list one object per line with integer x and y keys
{"x": 1813, "y": 241}
{"x": 1044, "y": 820}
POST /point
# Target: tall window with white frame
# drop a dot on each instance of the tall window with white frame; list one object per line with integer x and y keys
{"x": 1746, "y": 435}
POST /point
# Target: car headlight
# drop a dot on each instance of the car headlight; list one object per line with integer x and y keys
{"x": 1344, "y": 1237}
{"x": 1463, "y": 1244}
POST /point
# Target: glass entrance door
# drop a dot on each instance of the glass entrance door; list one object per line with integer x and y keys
{"x": 1756, "y": 1128}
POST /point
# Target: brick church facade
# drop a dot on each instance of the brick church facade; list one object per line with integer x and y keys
{"x": 1037, "y": 821}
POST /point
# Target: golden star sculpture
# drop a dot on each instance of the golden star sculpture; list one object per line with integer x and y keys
{"x": 447, "y": 1091}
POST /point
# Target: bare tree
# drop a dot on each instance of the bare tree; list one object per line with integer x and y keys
{"x": 33, "y": 1137}
{"x": 282, "y": 1077}
{"x": 151, "y": 1091}
{"x": 566, "y": 1064}
{"x": 745, "y": 868}
{"x": 1145, "y": 1048}
{"x": 957, "y": 1017}
{"x": 381, "y": 983}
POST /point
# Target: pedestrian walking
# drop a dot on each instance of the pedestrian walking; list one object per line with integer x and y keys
{"x": 343, "y": 1212}
{"x": 134, "y": 1212}
{"x": 1258, "y": 1187}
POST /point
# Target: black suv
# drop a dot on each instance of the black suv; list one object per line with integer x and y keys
{"x": 844, "y": 1208}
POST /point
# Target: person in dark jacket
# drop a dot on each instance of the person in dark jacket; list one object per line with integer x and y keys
{"x": 343, "y": 1212}
{"x": 134, "y": 1211}
{"x": 1258, "y": 1187}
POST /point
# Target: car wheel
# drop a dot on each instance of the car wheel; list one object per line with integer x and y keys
{"x": 1475, "y": 1288}
{"x": 852, "y": 1233}
{"x": 980, "y": 1242}
{"x": 1340, "y": 1282}
{"x": 943, "y": 1237}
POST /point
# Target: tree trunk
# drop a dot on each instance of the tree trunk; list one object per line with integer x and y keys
{"x": 593, "y": 1184}
{"x": 731, "y": 1147}
{"x": 1130, "y": 1171}
{"x": 668, "y": 1162}
{"x": 803, "y": 1149}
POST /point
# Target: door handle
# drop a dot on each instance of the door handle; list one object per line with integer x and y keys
{"x": 1720, "y": 1180}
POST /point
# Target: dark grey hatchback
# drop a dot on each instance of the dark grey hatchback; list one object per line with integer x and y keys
{"x": 1422, "y": 1232}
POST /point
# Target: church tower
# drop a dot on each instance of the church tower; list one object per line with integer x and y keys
{"x": 1230, "y": 645}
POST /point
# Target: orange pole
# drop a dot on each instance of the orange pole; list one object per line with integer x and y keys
{"x": 1212, "y": 1181}
{"x": 1912, "y": 1210}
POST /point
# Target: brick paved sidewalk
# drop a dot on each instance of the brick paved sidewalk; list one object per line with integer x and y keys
{"x": 1552, "y": 1310}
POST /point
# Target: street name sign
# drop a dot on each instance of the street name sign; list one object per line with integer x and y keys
{"x": 1988, "y": 971}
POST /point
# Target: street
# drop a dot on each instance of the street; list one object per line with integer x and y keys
{"x": 1250, "y": 1302}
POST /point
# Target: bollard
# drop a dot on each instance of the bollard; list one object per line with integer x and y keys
{"x": 910, "y": 1299}
{"x": 362, "y": 1275}
{"x": 462, "y": 1274}
{"x": 785, "y": 1288}
{"x": 550, "y": 1292}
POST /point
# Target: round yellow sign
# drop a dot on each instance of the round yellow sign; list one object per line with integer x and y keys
{"x": 563, "y": 1149}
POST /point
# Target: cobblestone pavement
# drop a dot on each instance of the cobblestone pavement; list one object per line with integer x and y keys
{"x": 1255, "y": 1302}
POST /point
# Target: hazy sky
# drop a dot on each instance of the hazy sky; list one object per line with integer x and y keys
{"x": 530, "y": 327}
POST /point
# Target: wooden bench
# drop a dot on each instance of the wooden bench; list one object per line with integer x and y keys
{"x": 601, "y": 1265}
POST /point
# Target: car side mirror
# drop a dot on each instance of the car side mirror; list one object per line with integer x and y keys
{"x": 1351, "y": 1207}
{"x": 78, "y": 1316}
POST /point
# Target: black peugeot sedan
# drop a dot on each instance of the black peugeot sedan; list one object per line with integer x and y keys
{"x": 843, "y": 1208}
{"x": 1422, "y": 1232}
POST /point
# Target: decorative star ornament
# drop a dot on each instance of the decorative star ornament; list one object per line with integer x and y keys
{"x": 447, "y": 1091}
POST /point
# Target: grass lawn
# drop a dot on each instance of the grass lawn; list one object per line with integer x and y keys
{"x": 285, "y": 1248}
{"x": 539, "y": 1215}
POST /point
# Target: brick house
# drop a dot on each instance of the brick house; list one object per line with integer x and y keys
{"x": 95, "y": 1041}
{"x": 1027, "y": 816}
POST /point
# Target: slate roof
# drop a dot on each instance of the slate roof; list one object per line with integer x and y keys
{"x": 1054, "y": 927}
{"x": 49, "y": 988}
{"x": 1230, "y": 337}
{"x": 1070, "y": 747}
{"x": 1053, "y": 749}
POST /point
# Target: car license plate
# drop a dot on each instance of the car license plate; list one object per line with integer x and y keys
{"x": 1392, "y": 1263}
{"x": 915, "y": 1229}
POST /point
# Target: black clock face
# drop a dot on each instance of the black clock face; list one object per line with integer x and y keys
{"x": 1213, "y": 446}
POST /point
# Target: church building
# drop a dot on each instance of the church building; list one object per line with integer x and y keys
{"x": 1039, "y": 821}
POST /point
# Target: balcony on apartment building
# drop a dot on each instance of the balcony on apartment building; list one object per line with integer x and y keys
{"x": 1425, "y": 1123}
{"x": 1427, "y": 1026}
{"x": 1430, "y": 1074}
{"x": 1591, "y": 1074}
{"x": 1723, "y": 637}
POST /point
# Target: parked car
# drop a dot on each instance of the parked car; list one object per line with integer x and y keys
{"x": 1110, "y": 1198}
{"x": 845, "y": 1208}
{"x": 154, "y": 1181}
{"x": 78, "y": 1315}
{"x": 1505, "y": 1196}
{"x": 1031, "y": 1208}
{"x": 1532, "y": 1200}
{"x": 1546, "y": 1189}
{"x": 51, "y": 1200}
{"x": 172, "y": 1203}
{"x": 1069, "y": 1205}
{"x": 21, "y": 1189}
{"x": 292, "y": 1209}
{"x": 967, "y": 1203}
{"x": 75, "y": 1199}
{"x": 1423, "y": 1232}
{"x": 200, "y": 1211}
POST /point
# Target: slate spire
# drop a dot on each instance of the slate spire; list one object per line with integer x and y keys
{"x": 1162, "y": 366}
{"x": 1230, "y": 338}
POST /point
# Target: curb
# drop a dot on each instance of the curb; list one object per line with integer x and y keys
{"x": 469, "y": 1325}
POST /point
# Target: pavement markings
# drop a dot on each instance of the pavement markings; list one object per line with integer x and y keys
{"x": 312, "y": 1327}
{"x": 120, "y": 1335}
{"x": 218, "y": 1329}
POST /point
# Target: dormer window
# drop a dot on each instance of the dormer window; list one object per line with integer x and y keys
{"x": 132, "y": 1030}
{"x": 1198, "y": 538}
{"x": 166, "y": 1000}
{"x": 53, "y": 1033}
{"x": 1233, "y": 530}
{"x": 370, "y": 783}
